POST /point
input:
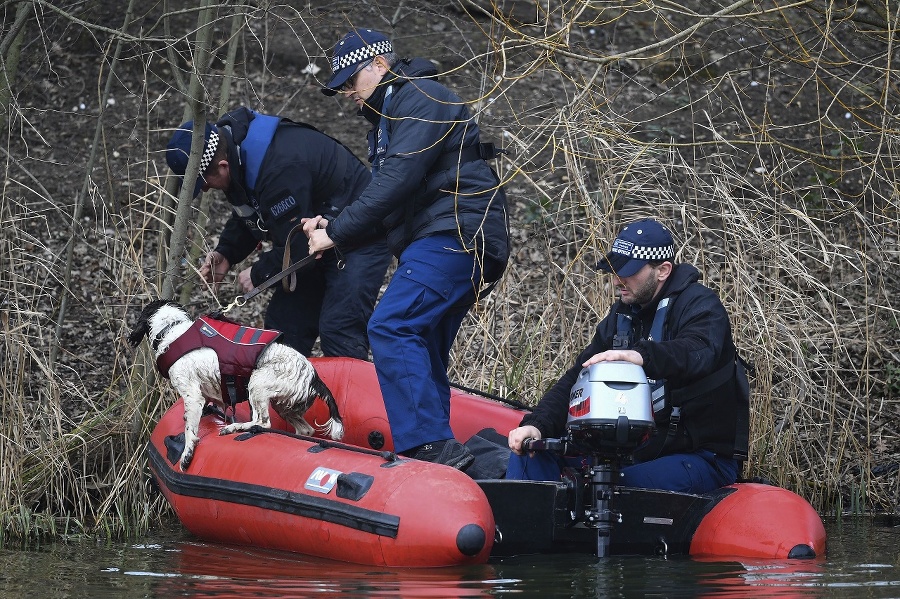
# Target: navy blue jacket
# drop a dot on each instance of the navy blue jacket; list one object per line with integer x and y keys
{"x": 304, "y": 173}
{"x": 411, "y": 197}
{"x": 697, "y": 343}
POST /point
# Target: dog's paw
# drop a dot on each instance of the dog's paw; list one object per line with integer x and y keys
{"x": 335, "y": 430}
{"x": 302, "y": 427}
{"x": 186, "y": 459}
{"x": 235, "y": 428}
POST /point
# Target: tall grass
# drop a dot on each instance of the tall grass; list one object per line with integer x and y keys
{"x": 733, "y": 136}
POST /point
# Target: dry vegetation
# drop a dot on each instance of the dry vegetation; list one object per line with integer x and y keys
{"x": 766, "y": 136}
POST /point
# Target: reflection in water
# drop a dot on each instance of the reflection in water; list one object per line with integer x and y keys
{"x": 782, "y": 578}
{"x": 227, "y": 571}
{"x": 862, "y": 561}
{"x": 674, "y": 577}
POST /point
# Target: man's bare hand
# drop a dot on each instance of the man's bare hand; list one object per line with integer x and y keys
{"x": 518, "y": 435}
{"x": 616, "y": 355}
{"x": 244, "y": 280}
{"x": 214, "y": 268}
{"x": 319, "y": 241}
{"x": 311, "y": 224}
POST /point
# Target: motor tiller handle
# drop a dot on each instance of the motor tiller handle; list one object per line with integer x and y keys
{"x": 554, "y": 445}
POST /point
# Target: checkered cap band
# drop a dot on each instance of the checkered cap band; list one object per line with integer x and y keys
{"x": 209, "y": 151}
{"x": 637, "y": 244}
{"x": 649, "y": 253}
{"x": 342, "y": 61}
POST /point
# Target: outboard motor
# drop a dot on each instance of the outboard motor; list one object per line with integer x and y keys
{"x": 610, "y": 414}
{"x": 610, "y": 409}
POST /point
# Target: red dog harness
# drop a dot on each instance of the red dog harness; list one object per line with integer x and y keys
{"x": 237, "y": 346}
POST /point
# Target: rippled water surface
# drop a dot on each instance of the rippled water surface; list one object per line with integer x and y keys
{"x": 862, "y": 562}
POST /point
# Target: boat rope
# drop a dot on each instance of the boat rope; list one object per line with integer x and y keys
{"x": 211, "y": 408}
{"x": 388, "y": 456}
{"x": 509, "y": 402}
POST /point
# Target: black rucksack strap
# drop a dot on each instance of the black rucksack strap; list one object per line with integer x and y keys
{"x": 704, "y": 385}
{"x": 742, "y": 438}
{"x": 455, "y": 158}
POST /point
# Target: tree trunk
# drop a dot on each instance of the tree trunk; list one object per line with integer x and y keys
{"x": 9, "y": 59}
{"x": 198, "y": 247}
{"x": 198, "y": 109}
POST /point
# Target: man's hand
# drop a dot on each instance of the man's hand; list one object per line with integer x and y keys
{"x": 518, "y": 435}
{"x": 311, "y": 224}
{"x": 613, "y": 355}
{"x": 244, "y": 280}
{"x": 214, "y": 268}
{"x": 319, "y": 241}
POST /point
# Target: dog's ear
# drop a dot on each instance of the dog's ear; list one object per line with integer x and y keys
{"x": 142, "y": 328}
{"x": 151, "y": 308}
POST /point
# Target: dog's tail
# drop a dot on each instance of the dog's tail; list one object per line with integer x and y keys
{"x": 334, "y": 428}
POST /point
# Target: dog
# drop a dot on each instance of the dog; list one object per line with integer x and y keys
{"x": 281, "y": 376}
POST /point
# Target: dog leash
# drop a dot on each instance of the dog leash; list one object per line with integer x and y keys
{"x": 288, "y": 270}
{"x": 243, "y": 299}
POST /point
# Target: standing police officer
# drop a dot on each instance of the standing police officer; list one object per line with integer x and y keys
{"x": 445, "y": 215}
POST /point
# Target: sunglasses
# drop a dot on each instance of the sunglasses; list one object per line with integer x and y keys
{"x": 350, "y": 83}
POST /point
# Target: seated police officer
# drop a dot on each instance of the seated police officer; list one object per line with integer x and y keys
{"x": 679, "y": 332}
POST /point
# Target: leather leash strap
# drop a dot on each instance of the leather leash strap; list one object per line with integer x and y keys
{"x": 290, "y": 270}
{"x": 287, "y": 270}
{"x": 290, "y": 283}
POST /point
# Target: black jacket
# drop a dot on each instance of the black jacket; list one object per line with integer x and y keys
{"x": 697, "y": 343}
{"x": 303, "y": 173}
{"x": 412, "y": 196}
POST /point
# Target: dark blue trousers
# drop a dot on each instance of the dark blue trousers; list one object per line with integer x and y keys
{"x": 697, "y": 472}
{"x": 331, "y": 303}
{"x": 411, "y": 333}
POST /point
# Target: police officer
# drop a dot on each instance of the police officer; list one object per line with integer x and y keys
{"x": 445, "y": 215}
{"x": 679, "y": 332}
{"x": 275, "y": 172}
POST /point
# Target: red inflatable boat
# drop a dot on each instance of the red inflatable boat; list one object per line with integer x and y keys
{"x": 356, "y": 501}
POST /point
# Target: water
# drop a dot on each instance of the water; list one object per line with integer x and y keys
{"x": 862, "y": 562}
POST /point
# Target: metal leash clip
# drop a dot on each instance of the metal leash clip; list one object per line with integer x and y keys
{"x": 238, "y": 302}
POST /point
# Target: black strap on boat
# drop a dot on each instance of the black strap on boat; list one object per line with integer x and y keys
{"x": 509, "y": 402}
{"x": 388, "y": 456}
{"x": 211, "y": 408}
{"x": 231, "y": 394}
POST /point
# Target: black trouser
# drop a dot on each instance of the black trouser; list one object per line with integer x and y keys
{"x": 331, "y": 303}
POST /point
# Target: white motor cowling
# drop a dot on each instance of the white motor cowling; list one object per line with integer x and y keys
{"x": 610, "y": 409}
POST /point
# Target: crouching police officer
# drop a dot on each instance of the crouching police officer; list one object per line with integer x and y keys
{"x": 274, "y": 172}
